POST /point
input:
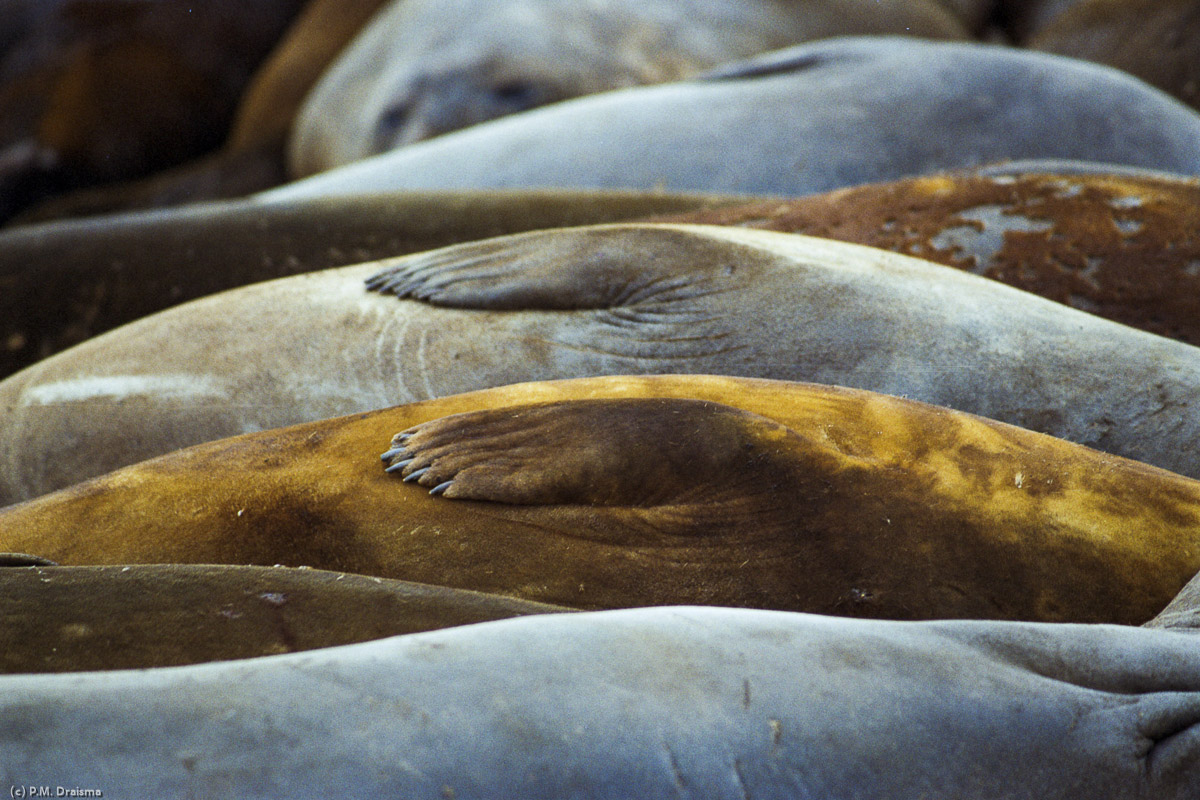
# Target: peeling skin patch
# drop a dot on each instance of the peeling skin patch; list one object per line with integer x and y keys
{"x": 983, "y": 241}
{"x": 1067, "y": 190}
{"x": 1131, "y": 201}
{"x": 119, "y": 386}
{"x": 1128, "y": 227}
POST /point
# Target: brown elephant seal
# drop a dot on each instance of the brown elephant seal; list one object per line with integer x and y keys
{"x": 598, "y": 300}
{"x": 1156, "y": 40}
{"x": 626, "y": 491}
{"x": 105, "y": 90}
{"x": 652, "y": 703}
{"x": 1126, "y": 248}
{"x": 1022, "y": 18}
{"x": 252, "y": 158}
{"x": 76, "y": 619}
{"x": 422, "y": 68}
{"x": 72, "y": 280}
{"x": 274, "y": 96}
{"x": 810, "y": 118}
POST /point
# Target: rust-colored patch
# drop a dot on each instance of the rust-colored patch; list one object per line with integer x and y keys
{"x": 1127, "y": 249}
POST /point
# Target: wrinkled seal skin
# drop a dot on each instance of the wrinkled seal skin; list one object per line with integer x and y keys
{"x": 811, "y": 118}
{"x": 655, "y": 703}
{"x": 1126, "y": 248}
{"x": 76, "y": 619}
{"x": 601, "y": 300}
{"x": 1156, "y": 40}
{"x": 104, "y": 90}
{"x": 69, "y": 281}
{"x": 624, "y": 491}
{"x": 427, "y": 67}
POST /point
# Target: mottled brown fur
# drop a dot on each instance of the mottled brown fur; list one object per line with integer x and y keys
{"x": 1124, "y": 248}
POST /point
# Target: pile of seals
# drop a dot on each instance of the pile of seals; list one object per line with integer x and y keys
{"x": 724, "y": 436}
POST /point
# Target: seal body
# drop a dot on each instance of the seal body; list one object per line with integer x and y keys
{"x": 1124, "y": 247}
{"x": 807, "y": 119}
{"x": 72, "y": 280}
{"x": 727, "y": 703}
{"x": 99, "y": 91}
{"x": 427, "y": 67}
{"x": 1156, "y": 40}
{"x": 610, "y": 492}
{"x": 602, "y": 300}
{"x": 81, "y": 619}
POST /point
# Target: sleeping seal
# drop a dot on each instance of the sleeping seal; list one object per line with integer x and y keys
{"x": 75, "y": 619}
{"x": 1156, "y": 40}
{"x": 606, "y": 492}
{"x": 426, "y": 67}
{"x": 1122, "y": 246}
{"x": 656, "y": 703}
{"x": 811, "y": 118}
{"x": 71, "y": 280}
{"x": 601, "y": 300}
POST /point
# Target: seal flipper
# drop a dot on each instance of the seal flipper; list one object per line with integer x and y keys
{"x": 1182, "y": 613}
{"x": 594, "y": 267}
{"x": 616, "y": 452}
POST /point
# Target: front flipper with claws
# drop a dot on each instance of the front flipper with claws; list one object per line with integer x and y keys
{"x": 596, "y": 267}
{"x": 618, "y": 452}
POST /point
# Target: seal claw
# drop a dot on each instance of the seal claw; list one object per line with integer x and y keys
{"x": 399, "y": 465}
{"x": 415, "y": 474}
{"x": 441, "y": 488}
{"x": 390, "y": 454}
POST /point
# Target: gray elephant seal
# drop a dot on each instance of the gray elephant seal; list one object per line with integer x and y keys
{"x": 76, "y": 619}
{"x": 807, "y": 119}
{"x": 426, "y": 67}
{"x": 72, "y": 280}
{"x": 602, "y": 300}
{"x": 715, "y": 702}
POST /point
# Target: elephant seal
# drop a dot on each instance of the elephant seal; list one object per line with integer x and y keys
{"x": 1156, "y": 40}
{"x": 599, "y": 300}
{"x": 273, "y": 98}
{"x": 1126, "y": 248}
{"x": 811, "y": 118}
{"x": 1022, "y": 18}
{"x": 253, "y": 156}
{"x": 426, "y": 67}
{"x": 76, "y": 619}
{"x": 655, "y": 703}
{"x": 103, "y": 90}
{"x": 72, "y": 280}
{"x": 624, "y": 491}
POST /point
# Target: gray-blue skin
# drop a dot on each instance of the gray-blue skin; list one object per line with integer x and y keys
{"x": 812, "y": 118}
{"x": 426, "y": 67}
{"x": 661, "y": 702}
